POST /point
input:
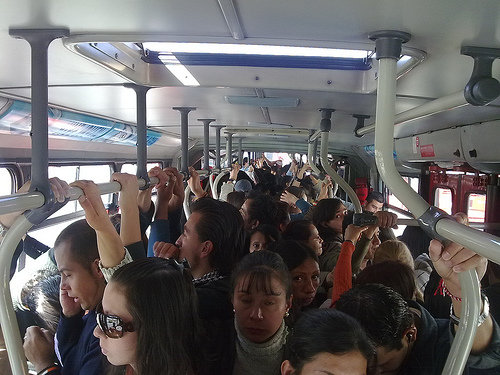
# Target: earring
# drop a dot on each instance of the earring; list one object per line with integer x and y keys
{"x": 287, "y": 314}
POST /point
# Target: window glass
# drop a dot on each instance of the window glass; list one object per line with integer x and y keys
{"x": 99, "y": 174}
{"x": 476, "y": 207}
{"x": 394, "y": 201}
{"x": 68, "y": 173}
{"x": 132, "y": 168}
{"x": 443, "y": 199}
{"x": 7, "y": 184}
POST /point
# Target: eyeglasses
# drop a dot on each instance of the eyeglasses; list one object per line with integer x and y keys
{"x": 113, "y": 326}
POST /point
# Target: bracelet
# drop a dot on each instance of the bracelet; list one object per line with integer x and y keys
{"x": 485, "y": 312}
{"x": 49, "y": 369}
{"x": 443, "y": 291}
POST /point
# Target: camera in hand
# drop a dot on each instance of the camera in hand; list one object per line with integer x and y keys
{"x": 364, "y": 219}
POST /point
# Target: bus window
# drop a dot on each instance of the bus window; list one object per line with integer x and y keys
{"x": 99, "y": 174}
{"x": 443, "y": 199}
{"x": 476, "y": 207}
{"x": 7, "y": 184}
{"x": 132, "y": 168}
{"x": 392, "y": 200}
{"x": 68, "y": 173}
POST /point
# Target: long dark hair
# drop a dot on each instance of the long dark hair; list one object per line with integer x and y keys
{"x": 164, "y": 307}
{"x": 326, "y": 331}
{"x": 325, "y": 211}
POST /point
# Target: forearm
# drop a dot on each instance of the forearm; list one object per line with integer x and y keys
{"x": 175, "y": 202}
{"x": 144, "y": 200}
{"x": 484, "y": 332}
{"x": 130, "y": 227}
{"x": 110, "y": 246}
{"x": 362, "y": 247}
{"x": 342, "y": 274}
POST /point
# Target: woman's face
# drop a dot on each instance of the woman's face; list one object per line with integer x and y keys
{"x": 120, "y": 351}
{"x": 314, "y": 241}
{"x": 350, "y": 363}
{"x": 305, "y": 282}
{"x": 257, "y": 242}
{"x": 259, "y": 314}
{"x": 336, "y": 222}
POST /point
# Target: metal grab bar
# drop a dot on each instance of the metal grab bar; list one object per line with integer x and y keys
{"x": 445, "y": 103}
{"x": 8, "y": 318}
{"x": 185, "y": 204}
{"x": 334, "y": 175}
{"x": 7, "y": 247}
{"x": 215, "y": 193}
{"x": 310, "y": 158}
{"x": 211, "y": 179}
{"x": 384, "y": 137}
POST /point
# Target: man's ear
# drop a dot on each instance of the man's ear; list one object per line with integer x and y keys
{"x": 207, "y": 249}
{"x": 286, "y": 368}
{"x": 96, "y": 270}
{"x": 411, "y": 334}
{"x": 254, "y": 224}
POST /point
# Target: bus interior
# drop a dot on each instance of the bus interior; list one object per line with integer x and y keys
{"x": 204, "y": 83}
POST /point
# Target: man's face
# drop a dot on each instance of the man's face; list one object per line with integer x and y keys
{"x": 190, "y": 246}
{"x": 82, "y": 284}
{"x": 373, "y": 206}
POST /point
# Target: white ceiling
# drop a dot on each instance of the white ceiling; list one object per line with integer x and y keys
{"x": 439, "y": 28}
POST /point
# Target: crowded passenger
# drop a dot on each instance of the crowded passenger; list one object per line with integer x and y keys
{"x": 305, "y": 232}
{"x": 262, "y": 298}
{"x": 303, "y": 266}
{"x": 328, "y": 341}
{"x": 262, "y": 236}
{"x": 408, "y": 339}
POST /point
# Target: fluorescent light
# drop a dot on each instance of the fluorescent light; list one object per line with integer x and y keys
{"x": 255, "y": 49}
{"x": 178, "y": 70}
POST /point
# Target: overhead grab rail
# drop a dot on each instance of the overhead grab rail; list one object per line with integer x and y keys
{"x": 431, "y": 219}
{"x": 325, "y": 126}
{"x": 481, "y": 89}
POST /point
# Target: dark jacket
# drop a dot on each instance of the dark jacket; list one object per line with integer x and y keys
{"x": 434, "y": 338}
{"x": 77, "y": 346}
{"x": 332, "y": 242}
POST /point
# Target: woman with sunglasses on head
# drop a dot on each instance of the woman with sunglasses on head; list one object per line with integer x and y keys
{"x": 152, "y": 330}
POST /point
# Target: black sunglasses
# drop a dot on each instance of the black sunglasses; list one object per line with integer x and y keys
{"x": 113, "y": 326}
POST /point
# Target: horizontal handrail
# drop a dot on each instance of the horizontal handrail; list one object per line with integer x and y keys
{"x": 444, "y": 103}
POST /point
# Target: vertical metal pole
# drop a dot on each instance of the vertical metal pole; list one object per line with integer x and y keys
{"x": 142, "y": 151}
{"x": 240, "y": 151}
{"x": 217, "y": 146}
{"x": 206, "y": 141}
{"x": 39, "y": 40}
{"x": 229, "y": 149}
{"x": 184, "y": 137}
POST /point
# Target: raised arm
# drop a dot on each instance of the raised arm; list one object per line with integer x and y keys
{"x": 130, "y": 228}
{"x": 109, "y": 243}
{"x": 448, "y": 261}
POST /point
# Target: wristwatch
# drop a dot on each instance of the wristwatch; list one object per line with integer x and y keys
{"x": 485, "y": 312}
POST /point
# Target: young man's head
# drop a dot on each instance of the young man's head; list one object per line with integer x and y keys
{"x": 374, "y": 202}
{"x": 213, "y": 237}
{"x": 387, "y": 320}
{"x": 77, "y": 259}
{"x": 258, "y": 209}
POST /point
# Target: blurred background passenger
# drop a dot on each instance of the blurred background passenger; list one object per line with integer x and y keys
{"x": 262, "y": 236}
